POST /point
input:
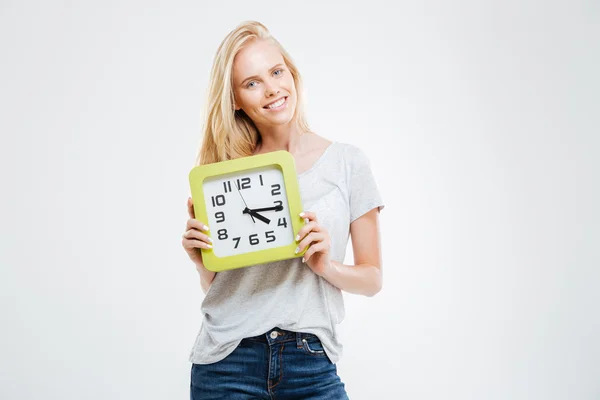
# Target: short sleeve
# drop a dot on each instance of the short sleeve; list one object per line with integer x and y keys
{"x": 363, "y": 191}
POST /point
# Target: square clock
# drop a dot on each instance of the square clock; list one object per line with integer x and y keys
{"x": 251, "y": 205}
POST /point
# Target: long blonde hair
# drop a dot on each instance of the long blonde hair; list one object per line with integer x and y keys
{"x": 229, "y": 134}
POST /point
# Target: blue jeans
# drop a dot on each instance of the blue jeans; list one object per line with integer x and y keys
{"x": 279, "y": 364}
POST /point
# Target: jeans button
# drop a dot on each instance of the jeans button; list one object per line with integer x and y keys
{"x": 274, "y": 334}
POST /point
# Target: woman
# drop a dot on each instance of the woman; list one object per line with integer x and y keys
{"x": 269, "y": 330}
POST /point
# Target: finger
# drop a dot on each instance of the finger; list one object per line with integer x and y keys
{"x": 195, "y": 234}
{"x": 310, "y": 227}
{"x": 190, "y": 204}
{"x": 312, "y": 237}
{"x": 311, "y": 216}
{"x": 195, "y": 244}
{"x": 314, "y": 249}
{"x": 194, "y": 223}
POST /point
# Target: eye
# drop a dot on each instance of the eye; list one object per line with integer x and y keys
{"x": 248, "y": 85}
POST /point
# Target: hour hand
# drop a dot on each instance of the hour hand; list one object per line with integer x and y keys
{"x": 257, "y": 215}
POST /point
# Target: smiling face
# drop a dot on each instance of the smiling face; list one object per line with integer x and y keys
{"x": 261, "y": 78}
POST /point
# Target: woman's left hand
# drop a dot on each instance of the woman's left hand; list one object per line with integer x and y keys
{"x": 314, "y": 235}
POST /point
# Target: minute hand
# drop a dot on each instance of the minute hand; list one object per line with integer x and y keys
{"x": 257, "y": 215}
{"x": 276, "y": 208}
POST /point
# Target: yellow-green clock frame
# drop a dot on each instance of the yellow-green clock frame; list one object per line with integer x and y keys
{"x": 285, "y": 162}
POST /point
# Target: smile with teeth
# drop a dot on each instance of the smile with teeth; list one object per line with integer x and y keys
{"x": 277, "y": 104}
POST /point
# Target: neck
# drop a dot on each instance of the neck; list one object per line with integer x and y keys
{"x": 283, "y": 137}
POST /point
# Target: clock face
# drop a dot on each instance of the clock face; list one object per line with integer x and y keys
{"x": 248, "y": 211}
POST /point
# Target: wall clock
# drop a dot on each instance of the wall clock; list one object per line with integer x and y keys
{"x": 251, "y": 206}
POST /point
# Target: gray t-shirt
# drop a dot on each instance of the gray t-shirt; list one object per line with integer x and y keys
{"x": 245, "y": 302}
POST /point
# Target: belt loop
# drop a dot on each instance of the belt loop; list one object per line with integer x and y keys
{"x": 298, "y": 339}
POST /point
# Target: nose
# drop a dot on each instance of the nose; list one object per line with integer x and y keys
{"x": 272, "y": 93}
{"x": 271, "y": 90}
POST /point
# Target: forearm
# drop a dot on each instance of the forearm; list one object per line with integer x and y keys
{"x": 206, "y": 277}
{"x": 361, "y": 279}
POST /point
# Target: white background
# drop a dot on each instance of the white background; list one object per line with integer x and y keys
{"x": 481, "y": 120}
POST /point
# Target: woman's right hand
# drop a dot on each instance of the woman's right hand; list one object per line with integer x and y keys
{"x": 194, "y": 239}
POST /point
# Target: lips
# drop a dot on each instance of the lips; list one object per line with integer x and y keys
{"x": 273, "y": 102}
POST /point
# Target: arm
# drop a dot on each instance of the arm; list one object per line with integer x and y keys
{"x": 365, "y": 277}
{"x": 206, "y": 277}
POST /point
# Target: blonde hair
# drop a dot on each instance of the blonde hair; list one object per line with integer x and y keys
{"x": 227, "y": 133}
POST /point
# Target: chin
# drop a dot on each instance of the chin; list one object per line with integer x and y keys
{"x": 282, "y": 119}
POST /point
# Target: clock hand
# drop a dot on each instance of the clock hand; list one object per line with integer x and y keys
{"x": 252, "y": 216}
{"x": 257, "y": 215}
{"x": 276, "y": 208}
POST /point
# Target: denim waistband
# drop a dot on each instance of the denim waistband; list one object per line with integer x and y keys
{"x": 281, "y": 335}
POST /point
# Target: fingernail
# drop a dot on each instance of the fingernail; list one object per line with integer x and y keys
{"x": 306, "y": 220}
{"x": 302, "y": 259}
{"x": 209, "y": 246}
{"x": 297, "y": 250}
{"x": 297, "y": 237}
{"x": 302, "y": 214}
{"x": 210, "y": 240}
{"x": 205, "y": 227}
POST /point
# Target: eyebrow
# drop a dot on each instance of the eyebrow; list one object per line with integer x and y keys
{"x": 256, "y": 76}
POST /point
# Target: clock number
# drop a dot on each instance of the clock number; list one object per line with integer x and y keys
{"x": 245, "y": 183}
{"x": 280, "y": 223}
{"x": 222, "y": 234}
{"x": 220, "y": 216}
{"x": 261, "y": 182}
{"x": 254, "y": 239}
{"x": 227, "y": 186}
{"x": 237, "y": 241}
{"x": 218, "y": 200}
{"x": 276, "y": 189}
{"x": 280, "y": 204}
{"x": 272, "y": 236}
